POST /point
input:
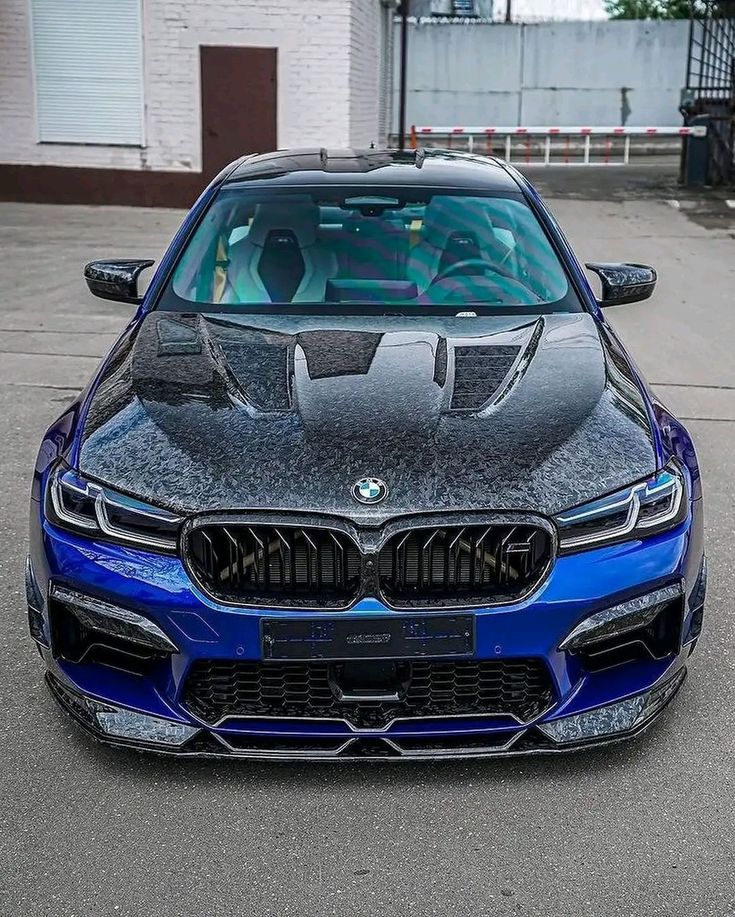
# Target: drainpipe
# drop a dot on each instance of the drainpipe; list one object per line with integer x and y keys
{"x": 402, "y": 88}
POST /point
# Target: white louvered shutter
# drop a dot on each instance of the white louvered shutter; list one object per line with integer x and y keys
{"x": 88, "y": 59}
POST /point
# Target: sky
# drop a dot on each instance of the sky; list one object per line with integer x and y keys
{"x": 529, "y": 10}
{"x": 526, "y": 10}
{"x": 523, "y": 10}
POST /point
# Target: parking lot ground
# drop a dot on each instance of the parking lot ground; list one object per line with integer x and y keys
{"x": 642, "y": 829}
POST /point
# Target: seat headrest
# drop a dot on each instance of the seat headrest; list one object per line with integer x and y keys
{"x": 445, "y": 215}
{"x": 299, "y": 214}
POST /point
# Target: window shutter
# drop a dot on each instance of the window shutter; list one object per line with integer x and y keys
{"x": 88, "y": 58}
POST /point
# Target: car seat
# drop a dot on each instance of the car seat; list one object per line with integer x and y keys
{"x": 280, "y": 259}
{"x": 372, "y": 248}
{"x": 454, "y": 229}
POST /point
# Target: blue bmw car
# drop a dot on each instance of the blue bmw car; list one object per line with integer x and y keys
{"x": 367, "y": 476}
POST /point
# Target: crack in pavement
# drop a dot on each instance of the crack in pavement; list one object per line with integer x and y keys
{"x": 725, "y": 388}
{"x": 710, "y": 419}
{"x": 54, "y": 331}
{"x": 46, "y": 353}
{"x": 56, "y": 388}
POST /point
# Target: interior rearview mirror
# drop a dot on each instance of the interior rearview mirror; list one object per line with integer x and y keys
{"x": 622, "y": 283}
{"x": 117, "y": 280}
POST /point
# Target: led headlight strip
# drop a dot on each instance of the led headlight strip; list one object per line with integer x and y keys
{"x": 82, "y": 505}
{"x": 642, "y": 509}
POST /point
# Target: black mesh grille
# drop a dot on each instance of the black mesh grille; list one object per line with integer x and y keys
{"x": 277, "y": 564}
{"x": 463, "y": 563}
{"x": 518, "y": 687}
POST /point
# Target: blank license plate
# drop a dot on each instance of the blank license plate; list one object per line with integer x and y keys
{"x": 368, "y": 638}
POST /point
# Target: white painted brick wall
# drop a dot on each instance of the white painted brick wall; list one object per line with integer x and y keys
{"x": 365, "y": 50}
{"x": 328, "y": 66}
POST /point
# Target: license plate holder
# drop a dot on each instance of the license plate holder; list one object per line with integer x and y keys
{"x": 399, "y": 637}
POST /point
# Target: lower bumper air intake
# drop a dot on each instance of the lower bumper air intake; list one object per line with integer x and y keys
{"x": 368, "y": 696}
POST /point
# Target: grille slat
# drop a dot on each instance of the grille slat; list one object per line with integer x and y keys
{"x": 314, "y": 567}
{"x": 218, "y": 688}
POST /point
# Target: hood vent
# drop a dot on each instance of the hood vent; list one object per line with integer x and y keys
{"x": 478, "y": 374}
{"x": 333, "y": 354}
{"x": 261, "y": 367}
{"x": 177, "y": 338}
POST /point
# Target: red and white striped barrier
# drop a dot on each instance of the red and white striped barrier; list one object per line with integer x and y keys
{"x": 698, "y": 131}
{"x": 488, "y": 135}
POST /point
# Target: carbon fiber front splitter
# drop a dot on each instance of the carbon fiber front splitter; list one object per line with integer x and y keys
{"x": 209, "y": 744}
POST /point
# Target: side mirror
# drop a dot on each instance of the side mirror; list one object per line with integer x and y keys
{"x": 623, "y": 283}
{"x": 116, "y": 280}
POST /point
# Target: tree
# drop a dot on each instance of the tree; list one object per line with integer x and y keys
{"x": 648, "y": 9}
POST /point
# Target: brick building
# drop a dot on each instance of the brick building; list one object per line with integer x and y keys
{"x": 140, "y": 101}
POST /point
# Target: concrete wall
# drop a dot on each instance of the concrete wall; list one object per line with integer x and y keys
{"x": 327, "y": 78}
{"x": 566, "y": 73}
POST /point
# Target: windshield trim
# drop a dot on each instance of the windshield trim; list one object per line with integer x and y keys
{"x": 379, "y": 310}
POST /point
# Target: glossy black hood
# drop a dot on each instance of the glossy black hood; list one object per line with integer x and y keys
{"x": 287, "y": 412}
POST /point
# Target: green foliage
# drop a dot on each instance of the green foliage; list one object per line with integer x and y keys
{"x": 648, "y": 9}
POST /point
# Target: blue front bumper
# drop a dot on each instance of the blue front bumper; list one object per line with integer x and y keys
{"x": 158, "y": 588}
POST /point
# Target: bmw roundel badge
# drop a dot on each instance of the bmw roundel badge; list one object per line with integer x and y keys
{"x": 369, "y": 490}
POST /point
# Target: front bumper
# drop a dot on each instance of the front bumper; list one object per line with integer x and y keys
{"x": 589, "y": 704}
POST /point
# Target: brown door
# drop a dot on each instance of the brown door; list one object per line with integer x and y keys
{"x": 239, "y": 99}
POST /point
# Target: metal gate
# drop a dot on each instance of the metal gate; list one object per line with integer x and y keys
{"x": 709, "y": 96}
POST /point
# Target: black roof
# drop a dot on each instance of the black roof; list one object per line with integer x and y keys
{"x": 434, "y": 168}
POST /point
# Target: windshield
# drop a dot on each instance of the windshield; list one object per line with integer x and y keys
{"x": 404, "y": 249}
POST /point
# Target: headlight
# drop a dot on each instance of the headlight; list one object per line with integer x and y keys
{"x": 83, "y": 506}
{"x": 642, "y": 509}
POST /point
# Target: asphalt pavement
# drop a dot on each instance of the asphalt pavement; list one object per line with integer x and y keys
{"x": 643, "y": 829}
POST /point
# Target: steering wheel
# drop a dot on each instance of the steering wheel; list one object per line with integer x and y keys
{"x": 461, "y": 266}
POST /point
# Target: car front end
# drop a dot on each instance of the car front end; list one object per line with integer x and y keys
{"x": 341, "y": 534}
{"x": 265, "y": 632}
{"x": 141, "y": 655}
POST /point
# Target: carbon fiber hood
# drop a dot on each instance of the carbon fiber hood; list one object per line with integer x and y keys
{"x": 212, "y": 412}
